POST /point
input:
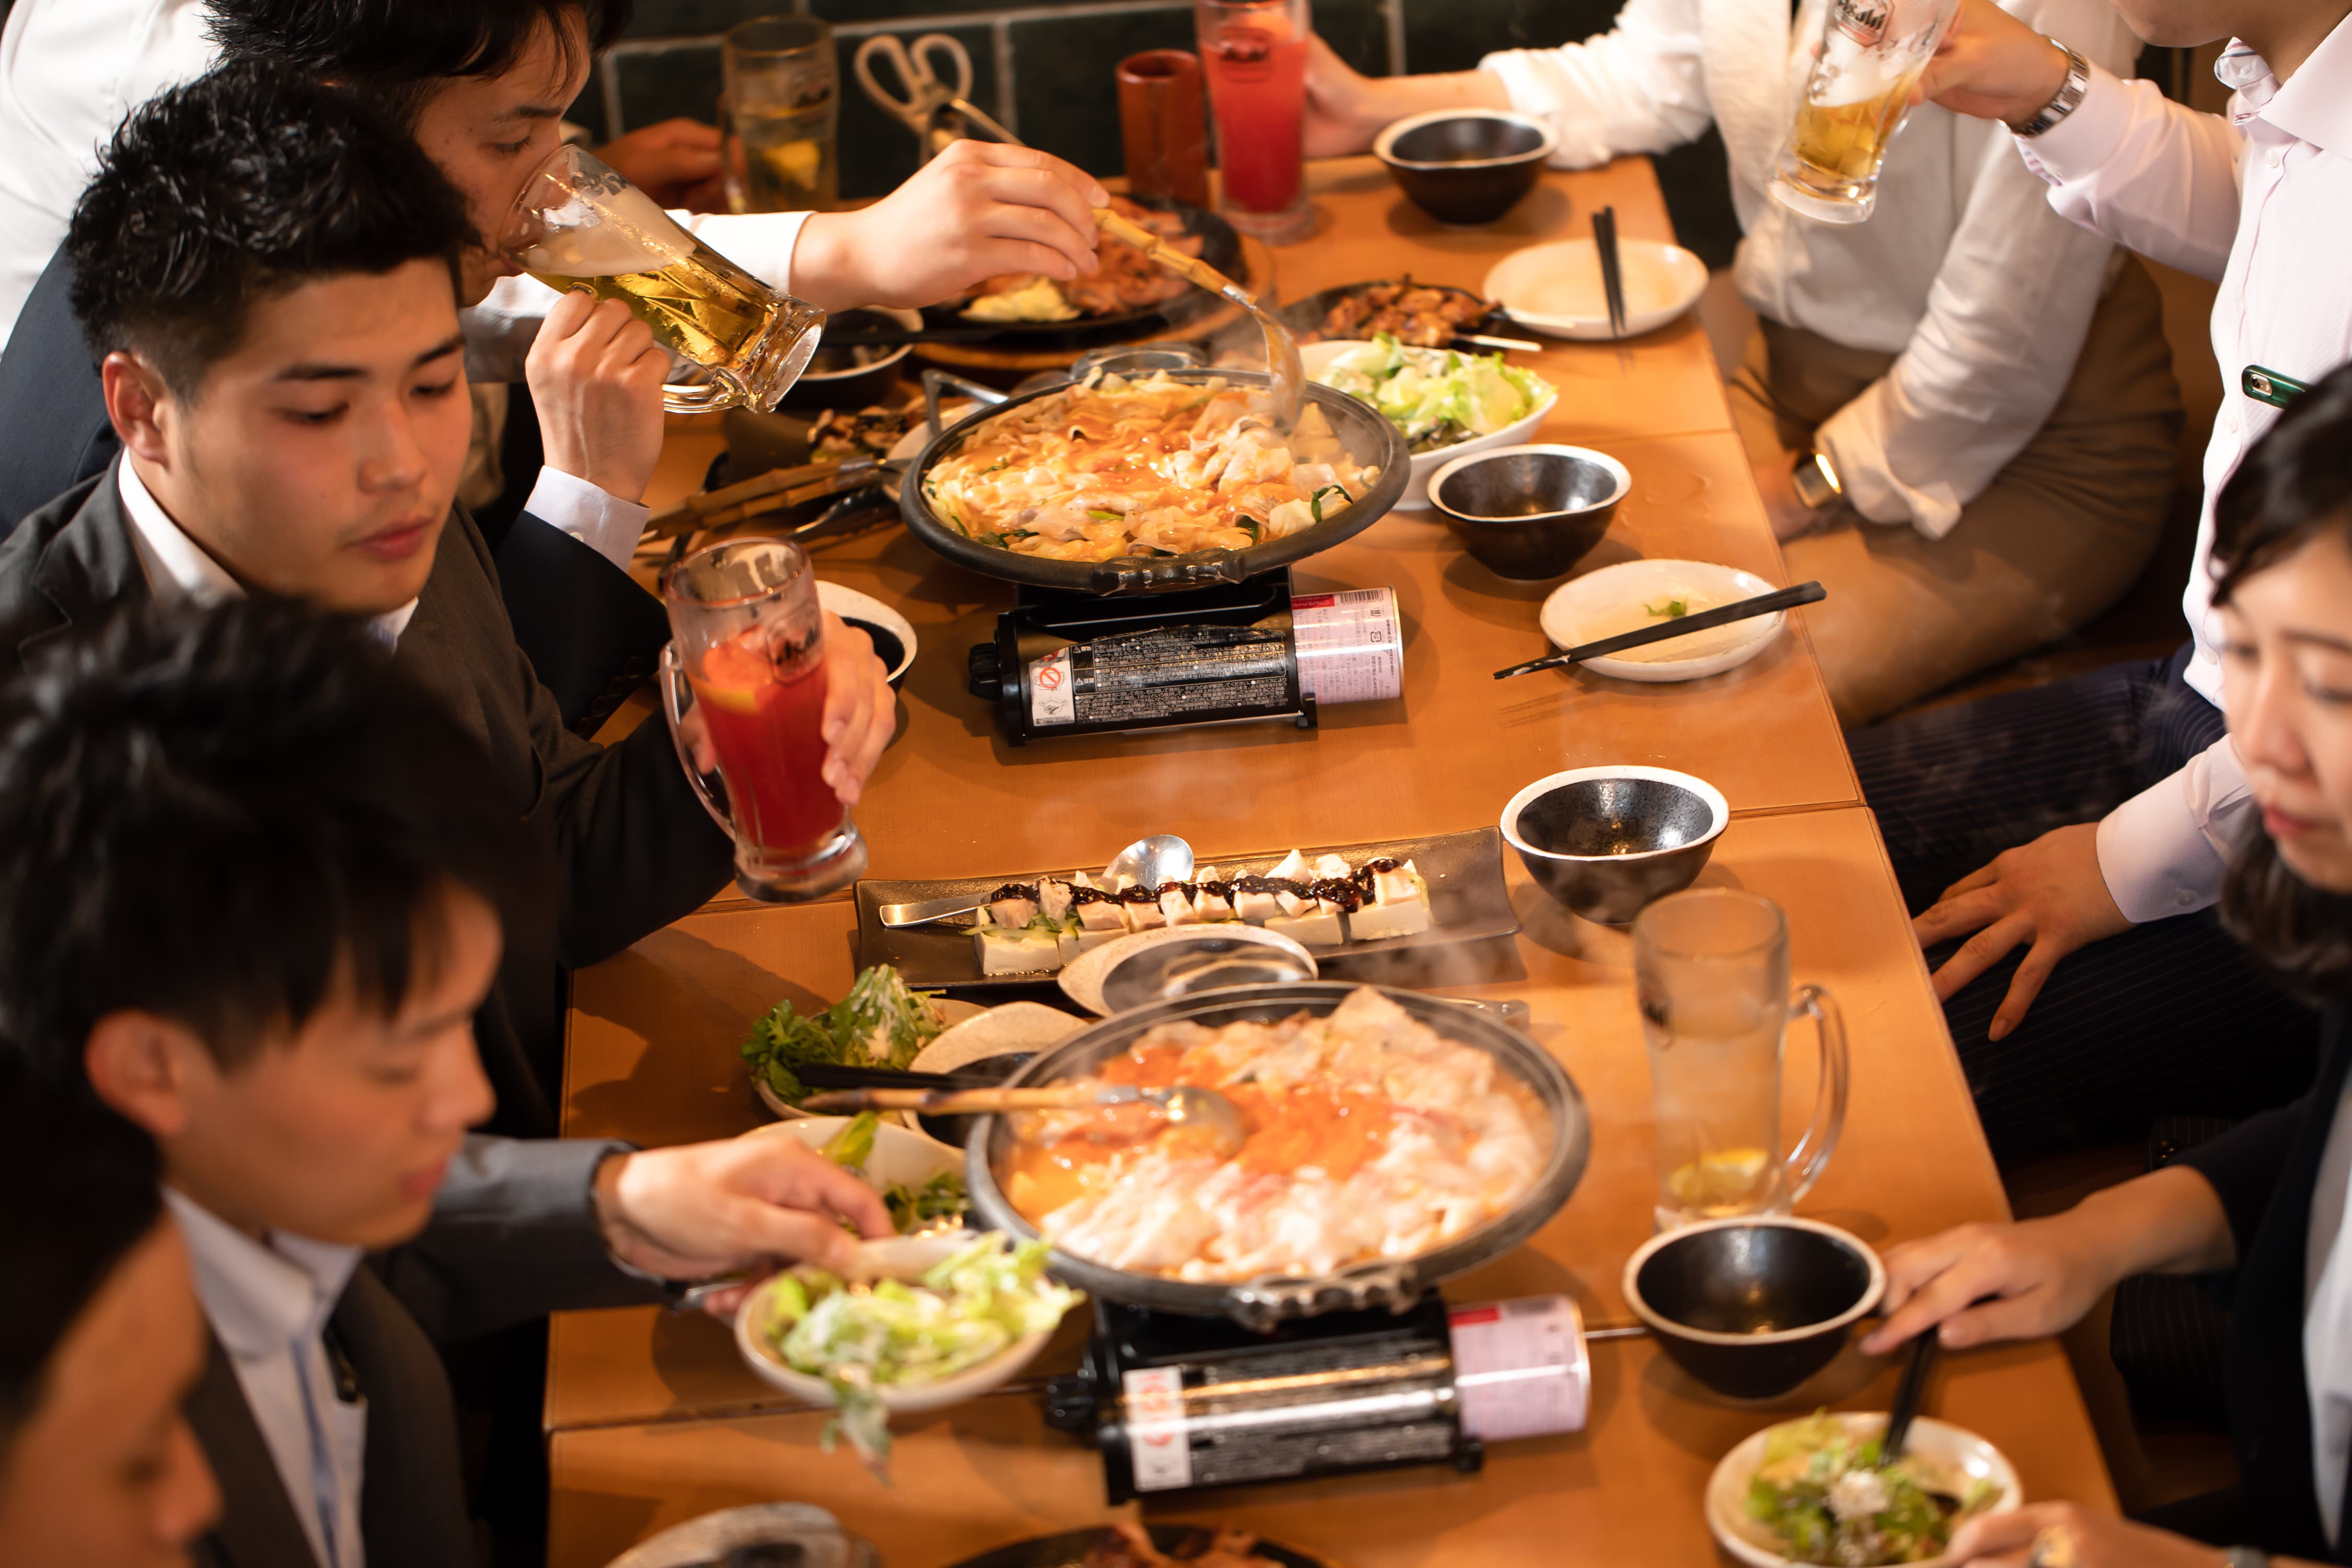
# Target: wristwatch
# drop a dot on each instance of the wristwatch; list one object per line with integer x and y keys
{"x": 1816, "y": 479}
{"x": 2068, "y": 98}
{"x": 2246, "y": 1557}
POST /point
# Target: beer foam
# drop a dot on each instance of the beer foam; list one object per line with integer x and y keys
{"x": 1850, "y": 74}
{"x": 624, "y": 232}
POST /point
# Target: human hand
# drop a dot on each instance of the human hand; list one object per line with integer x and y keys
{"x": 2049, "y": 892}
{"x": 1790, "y": 516}
{"x": 1343, "y": 107}
{"x": 861, "y": 711}
{"x": 678, "y": 162}
{"x": 595, "y": 375}
{"x": 978, "y": 210}
{"x": 2098, "y": 1540}
{"x": 2041, "y": 1275}
{"x": 1992, "y": 65}
{"x": 752, "y": 1203}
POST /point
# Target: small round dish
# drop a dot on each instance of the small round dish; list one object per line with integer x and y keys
{"x": 1556, "y": 289}
{"x": 1316, "y": 357}
{"x": 1958, "y": 1452}
{"x": 894, "y": 1257}
{"x": 1083, "y": 982}
{"x": 1579, "y": 611}
{"x": 950, "y": 1011}
{"x": 902, "y": 1157}
{"x": 893, "y": 634}
{"x": 1003, "y": 1031}
{"x": 836, "y": 379}
{"x": 1465, "y": 166}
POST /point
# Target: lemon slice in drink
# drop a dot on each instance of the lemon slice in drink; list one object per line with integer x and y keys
{"x": 1723, "y": 1179}
{"x": 794, "y": 163}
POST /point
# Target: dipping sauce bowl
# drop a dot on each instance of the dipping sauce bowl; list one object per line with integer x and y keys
{"x": 1529, "y": 513}
{"x": 1466, "y": 166}
{"x": 1605, "y": 841}
{"x": 1752, "y": 1306}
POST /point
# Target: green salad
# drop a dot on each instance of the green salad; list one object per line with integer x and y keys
{"x": 1436, "y": 397}
{"x": 863, "y": 1339}
{"x": 880, "y": 1022}
{"x": 1821, "y": 1490}
{"x": 912, "y": 1209}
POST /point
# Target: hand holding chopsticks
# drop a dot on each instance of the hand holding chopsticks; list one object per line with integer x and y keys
{"x": 1681, "y": 625}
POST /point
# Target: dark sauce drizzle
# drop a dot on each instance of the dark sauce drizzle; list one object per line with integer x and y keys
{"x": 1348, "y": 893}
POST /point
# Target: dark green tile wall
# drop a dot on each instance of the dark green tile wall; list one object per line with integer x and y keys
{"x": 1061, "y": 92}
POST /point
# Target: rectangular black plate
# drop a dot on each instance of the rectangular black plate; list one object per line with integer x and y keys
{"x": 1467, "y": 902}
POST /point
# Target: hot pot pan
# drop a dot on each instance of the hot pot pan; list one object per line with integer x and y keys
{"x": 1263, "y": 1302}
{"x": 1370, "y": 440}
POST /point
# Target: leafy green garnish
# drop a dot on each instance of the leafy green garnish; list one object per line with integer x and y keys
{"x": 1100, "y": 515}
{"x": 854, "y": 1145}
{"x": 1670, "y": 609}
{"x": 880, "y": 1022}
{"x": 940, "y": 1198}
{"x": 1315, "y": 501}
{"x": 1823, "y": 1491}
{"x": 1251, "y": 526}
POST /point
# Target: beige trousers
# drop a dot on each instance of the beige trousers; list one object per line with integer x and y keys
{"x": 2055, "y": 539}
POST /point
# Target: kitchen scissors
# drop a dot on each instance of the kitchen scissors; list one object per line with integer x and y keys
{"x": 936, "y": 112}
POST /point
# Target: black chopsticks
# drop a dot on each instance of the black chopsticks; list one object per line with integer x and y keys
{"x": 1721, "y": 616}
{"x": 1613, "y": 278}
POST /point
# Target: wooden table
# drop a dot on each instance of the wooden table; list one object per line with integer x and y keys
{"x": 652, "y": 1418}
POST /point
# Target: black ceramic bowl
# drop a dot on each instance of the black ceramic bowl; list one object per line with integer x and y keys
{"x": 1753, "y": 1307}
{"x": 1529, "y": 512}
{"x": 848, "y": 376}
{"x": 1466, "y": 165}
{"x": 1606, "y": 841}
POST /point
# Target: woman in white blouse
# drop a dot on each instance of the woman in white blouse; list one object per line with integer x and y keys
{"x": 1989, "y": 383}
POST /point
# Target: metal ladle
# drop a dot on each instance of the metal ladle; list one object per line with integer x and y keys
{"x": 1202, "y": 1110}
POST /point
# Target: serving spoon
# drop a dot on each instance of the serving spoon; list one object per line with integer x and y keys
{"x": 1150, "y": 860}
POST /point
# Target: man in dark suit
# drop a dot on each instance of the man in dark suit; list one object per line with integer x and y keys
{"x": 248, "y": 895}
{"x": 100, "y": 1340}
{"x": 483, "y": 87}
{"x": 267, "y": 269}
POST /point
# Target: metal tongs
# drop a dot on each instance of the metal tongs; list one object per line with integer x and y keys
{"x": 936, "y": 112}
{"x": 775, "y": 490}
{"x": 1282, "y": 360}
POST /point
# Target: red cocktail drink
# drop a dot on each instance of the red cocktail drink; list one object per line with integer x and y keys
{"x": 748, "y": 639}
{"x": 768, "y": 730}
{"x": 1255, "y": 54}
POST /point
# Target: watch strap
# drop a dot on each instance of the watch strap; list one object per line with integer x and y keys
{"x": 1815, "y": 479}
{"x": 2068, "y": 98}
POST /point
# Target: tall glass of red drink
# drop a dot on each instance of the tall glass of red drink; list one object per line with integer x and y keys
{"x": 748, "y": 641}
{"x": 1253, "y": 53}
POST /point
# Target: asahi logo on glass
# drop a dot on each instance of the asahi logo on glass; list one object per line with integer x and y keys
{"x": 1864, "y": 23}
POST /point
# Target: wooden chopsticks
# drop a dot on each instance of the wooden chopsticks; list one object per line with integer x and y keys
{"x": 1612, "y": 280}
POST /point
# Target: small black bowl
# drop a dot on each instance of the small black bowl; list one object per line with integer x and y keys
{"x": 1605, "y": 841}
{"x": 1466, "y": 165}
{"x": 1529, "y": 512}
{"x": 845, "y": 376}
{"x": 1752, "y": 1306}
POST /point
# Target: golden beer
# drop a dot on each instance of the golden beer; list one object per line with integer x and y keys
{"x": 1845, "y": 143}
{"x": 579, "y": 226}
{"x": 1856, "y": 97}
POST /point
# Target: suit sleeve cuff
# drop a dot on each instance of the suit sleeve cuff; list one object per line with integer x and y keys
{"x": 760, "y": 242}
{"x": 2161, "y": 851}
{"x": 596, "y": 518}
{"x": 1856, "y": 439}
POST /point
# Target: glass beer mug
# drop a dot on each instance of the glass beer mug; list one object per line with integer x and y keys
{"x": 748, "y": 640}
{"x": 578, "y": 225}
{"x": 1857, "y": 97}
{"x": 1711, "y": 970}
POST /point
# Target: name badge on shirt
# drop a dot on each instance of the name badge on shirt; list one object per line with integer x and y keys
{"x": 2269, "y": 386}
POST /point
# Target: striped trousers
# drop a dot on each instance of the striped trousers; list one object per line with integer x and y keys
{"x": 2167, "y": 1018}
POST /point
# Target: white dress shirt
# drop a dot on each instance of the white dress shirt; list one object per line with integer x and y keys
{"x": 1962, "y": 273}
{"x": 2261, "y": 199}
{"x": 70, "y": 70}
{"x": 2327, "y": 1320}
{"x": 269, "y": 1302}
{"x": 178, "y": 567}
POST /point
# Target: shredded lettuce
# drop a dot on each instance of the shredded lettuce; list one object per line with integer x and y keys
{"x": 880, "y": 1022}
{"x": 1436, "y": 397}
{"x": 911, "y": 1208}
{"x": 1823, "y": 1493}
{"x": 861, "y": 1339}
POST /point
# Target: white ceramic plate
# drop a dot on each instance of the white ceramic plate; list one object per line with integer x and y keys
{"x": 852, "y": 606}
{"x": 953, "y": 1011}
{"x": 1958, "y": 1453}
{"x": 1082, "y": 982}
{"x": 1424, "y": 465}
{"x": 899, "y": 1258}
{"x": 1556, "y": 289}
{"x": 902, "y": 1157}
{"x": 1577, "y": 607}
{"x": 998, "y": 1032}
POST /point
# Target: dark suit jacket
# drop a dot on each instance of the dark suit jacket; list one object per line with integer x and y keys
{"x": 590, "y": 631}
{"x": 513, "y": 1237}
{"x": 635, "y": 847}
{"x": 2265, "y": 1169}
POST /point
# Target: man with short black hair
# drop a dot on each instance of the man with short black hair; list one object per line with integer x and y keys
{"x": 101, "y": 1339}
{"x": 285, "y": 376}
{"x": 249, "y": 898}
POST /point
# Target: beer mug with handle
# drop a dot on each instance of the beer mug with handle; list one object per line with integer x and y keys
{"x": 578, "y": 225}
{"x": 747, "y": 640}
{"x": 1857, "y": 96}
{"x": 1711, "y": 972}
